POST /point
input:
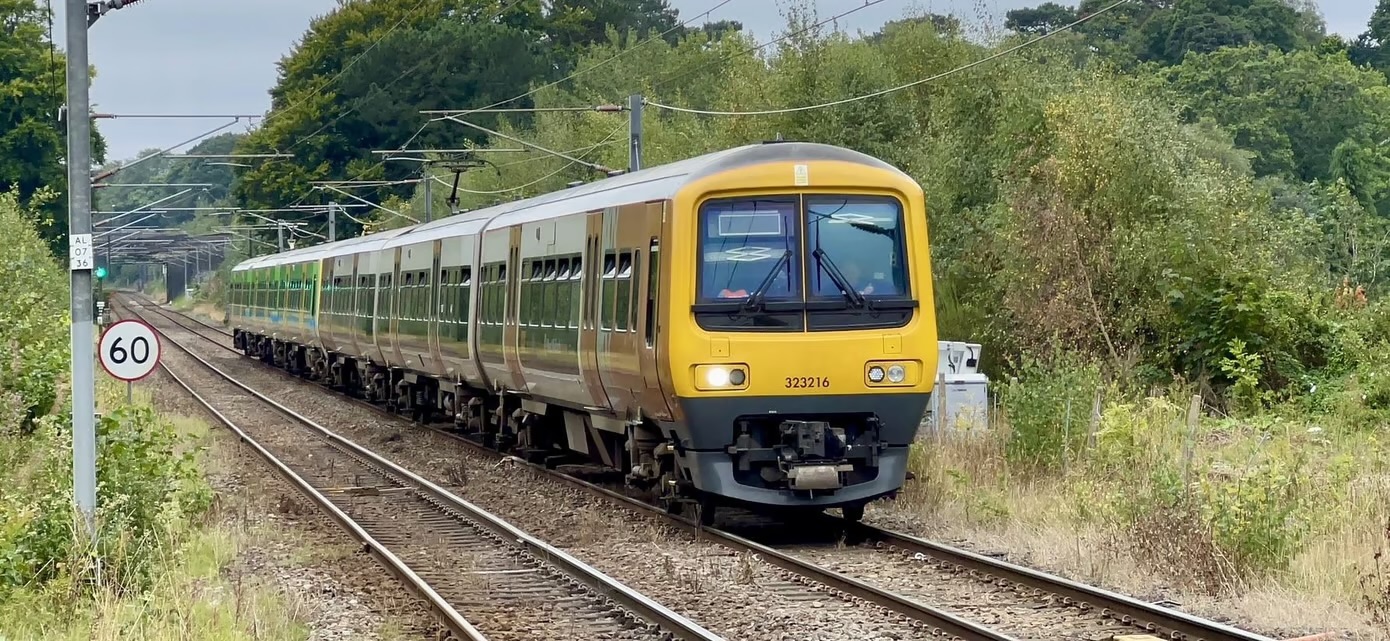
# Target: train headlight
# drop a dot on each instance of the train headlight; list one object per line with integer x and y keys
{"x": 893, "y": 373}
{"x": 721, "y": 377}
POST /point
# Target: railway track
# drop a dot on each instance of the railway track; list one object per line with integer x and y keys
{"x": 454, "y": 555}
{"x": 1017, "y": 602}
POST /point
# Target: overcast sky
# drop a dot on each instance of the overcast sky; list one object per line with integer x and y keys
{"x": 218, "y": 56}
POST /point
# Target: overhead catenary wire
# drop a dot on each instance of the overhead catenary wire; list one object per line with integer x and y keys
{"x": 115, "y": 170}
{"x": 607, "y": 140}
{"x": 398, "y": 77}
{"x": 951, "y": 72}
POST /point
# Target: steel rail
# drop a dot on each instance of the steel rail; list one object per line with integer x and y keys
{"x": 441, "y": 609}
{"x": 1126, "y": 609}
{"x": 597, "y": 581}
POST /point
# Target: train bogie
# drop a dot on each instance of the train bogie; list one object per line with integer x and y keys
{"x": 753, "y": 325}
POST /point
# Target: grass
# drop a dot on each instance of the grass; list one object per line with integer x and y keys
{"x": 198, "y": 590}
{"x": 1277, "y": 522}
{"x": 194, "y": 597}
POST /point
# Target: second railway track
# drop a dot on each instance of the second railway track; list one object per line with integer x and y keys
{"x": 990, "y": 599}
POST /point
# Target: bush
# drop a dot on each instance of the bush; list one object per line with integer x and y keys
{"x": 144, "y": 477}
{"x": 1048, "y": 405}
{"x": 33, "y": 327}
{"x": 144, "y": 481}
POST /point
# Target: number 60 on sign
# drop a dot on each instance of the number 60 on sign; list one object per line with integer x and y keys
{"x": 129, "y": 350}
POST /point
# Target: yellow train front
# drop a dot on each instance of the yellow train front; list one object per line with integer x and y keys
{"x": 798, "y": 341}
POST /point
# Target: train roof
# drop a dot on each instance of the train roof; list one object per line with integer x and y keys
{"x": 318, "y": 252}
{"x": 657, "y": 183}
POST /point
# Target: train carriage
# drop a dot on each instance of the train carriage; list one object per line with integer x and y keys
{"x": 752, "y": 326}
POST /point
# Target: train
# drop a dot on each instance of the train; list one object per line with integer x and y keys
{"x": 751, "y": 327}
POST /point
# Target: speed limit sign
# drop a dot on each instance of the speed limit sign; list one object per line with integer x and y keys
{"x": 129, "y": 350}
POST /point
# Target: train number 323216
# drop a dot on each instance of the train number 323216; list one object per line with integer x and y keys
{"x": 807, "y": 382}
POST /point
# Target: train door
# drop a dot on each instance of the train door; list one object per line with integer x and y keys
{"x": 592, "y": 264}
{"x": 435, "y": 311}
{"x": 623, "y": 243}
{"x": 511, "y": 343}
{"x": 649, "y": 303}
{"x": 357, "y": 325}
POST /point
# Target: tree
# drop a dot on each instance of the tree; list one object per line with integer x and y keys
{"x": 1292, "y": 109}
{"x": 32, "y": 140}
{"x": 1371, "y": 47}
{"x": 1044, "y": 18}
{"x": 1165, "y": 31}
{"x": 575, "y": 24}
{"x": 336, "y": 102}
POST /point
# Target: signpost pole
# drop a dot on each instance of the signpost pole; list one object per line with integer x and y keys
{"x": 80, "y": 263}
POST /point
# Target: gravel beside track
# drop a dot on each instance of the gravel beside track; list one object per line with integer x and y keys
{"x": 505, "y": 593}
{"x": 730, "y": 593}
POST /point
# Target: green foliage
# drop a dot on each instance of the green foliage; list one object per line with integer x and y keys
{"x": 1292, "y": 109}
{"x": 1048, "y": 405}
{"x": 143, "y": 480}
{"x": 160, "y": 170}
{"x": 1244, "y": 369}
{"x": 32, "y": 77}
{"x": 33, "y": 332}
{"x": 142, "y": 473}
{"x": 1165, "y": 31}
{"x": 439, "y": 54}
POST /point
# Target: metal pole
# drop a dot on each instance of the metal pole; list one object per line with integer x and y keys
{"x": 79, "y": 164}
{"x": 332, "y": 221}
{"x": 429, "y": 194}
{"x": 280, "y": 232}
{"x": 634, "y": 157}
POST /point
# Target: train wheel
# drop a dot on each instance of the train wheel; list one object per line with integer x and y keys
{"x": 853, "y": 512}
{"x": 708, "y": 510}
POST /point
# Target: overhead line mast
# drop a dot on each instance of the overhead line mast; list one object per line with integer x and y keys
{"x": 81, "y": 15}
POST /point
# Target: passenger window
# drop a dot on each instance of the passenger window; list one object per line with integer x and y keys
{"x": 610, "y": 291}
{"x": 467, "y": 276}
{"x": 623, "y": 292}
{"x": 653, "y": 284}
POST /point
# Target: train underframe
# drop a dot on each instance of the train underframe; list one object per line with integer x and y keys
{"x": 765, "y": 457}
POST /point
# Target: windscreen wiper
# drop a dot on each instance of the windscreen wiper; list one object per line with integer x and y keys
{"x": 838, "y": 277}
{"x": 758, "y": 298}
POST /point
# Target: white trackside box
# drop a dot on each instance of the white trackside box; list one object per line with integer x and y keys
{"x": 961, "y": 393}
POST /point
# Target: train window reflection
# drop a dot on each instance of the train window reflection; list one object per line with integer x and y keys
{"x": 862, "y": 237}
{"x": 742, "y": 241}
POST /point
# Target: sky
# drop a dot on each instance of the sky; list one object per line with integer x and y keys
{"x": 219, "y": 56}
